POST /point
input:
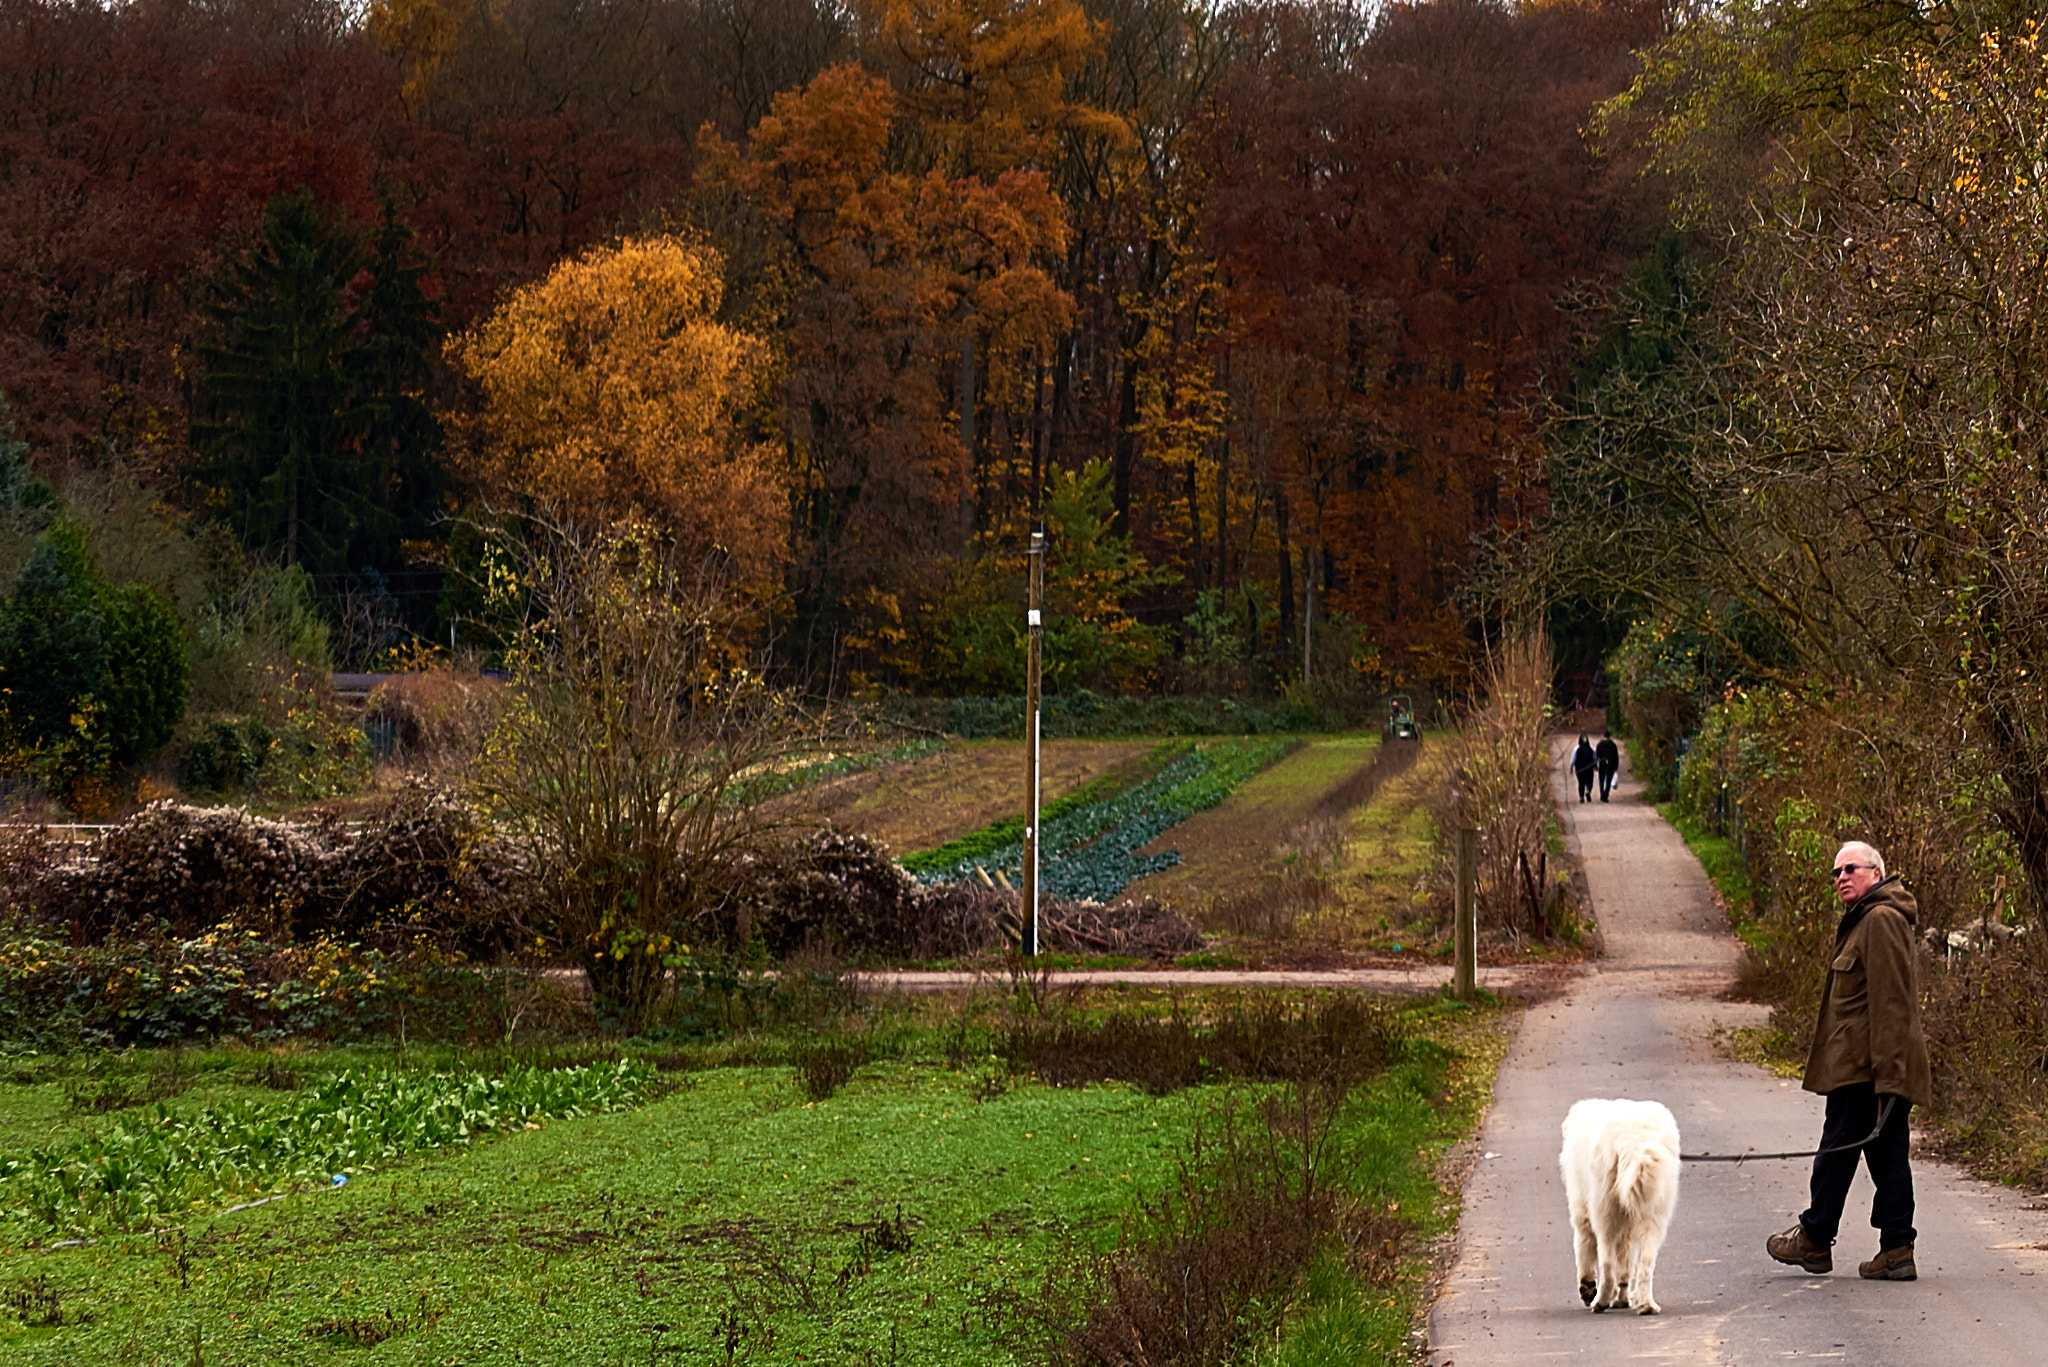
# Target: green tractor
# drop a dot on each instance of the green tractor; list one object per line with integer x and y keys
{"x": 1401, "y": 719}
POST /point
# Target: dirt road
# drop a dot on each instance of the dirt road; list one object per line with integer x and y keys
{"x": 1640, "y": 1024}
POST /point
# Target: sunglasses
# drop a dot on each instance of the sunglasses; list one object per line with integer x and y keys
{"x": 1841, "y": 869}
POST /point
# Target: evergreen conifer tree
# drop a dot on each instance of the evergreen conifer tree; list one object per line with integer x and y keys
{"x": 283, "y": 422}
{"x": 392, "y": 379}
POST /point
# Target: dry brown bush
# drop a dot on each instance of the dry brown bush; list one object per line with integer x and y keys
{"x": 182, "y": 868}
{"x": 1990, "y": 1055}
{"x": 1202, "y": 1271}
{"x": 1143, "y": 927}
{"x": 436, "y": 717}
{"x": 422, "y": 864}
{"x": 1500, "y": 786}
{"x": 1788, "y": 780}
{"x": 843, "y": 891}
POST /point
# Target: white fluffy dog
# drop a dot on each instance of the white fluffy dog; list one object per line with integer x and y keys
{"x": 1620, "y": 1163}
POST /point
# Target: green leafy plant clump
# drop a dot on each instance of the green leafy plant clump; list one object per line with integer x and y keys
{"x": 161, "y": 1165}
{"x": 1089, "y": 850}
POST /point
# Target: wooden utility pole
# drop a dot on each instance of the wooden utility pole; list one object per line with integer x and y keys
{"x": 1465, "y": 929}
{"x": 1034, "y": 621}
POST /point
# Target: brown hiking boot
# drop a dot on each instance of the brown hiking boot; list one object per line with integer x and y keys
{"x": 1892, "y": 1265}
{"x": 1795, "y": 1246}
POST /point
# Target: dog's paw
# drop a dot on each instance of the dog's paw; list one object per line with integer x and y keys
{"x": 1587, "y": 1290}
{"x": 1652, "y": 1308}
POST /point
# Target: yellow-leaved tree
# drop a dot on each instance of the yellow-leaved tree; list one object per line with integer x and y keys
{"x": 611, "y": 390}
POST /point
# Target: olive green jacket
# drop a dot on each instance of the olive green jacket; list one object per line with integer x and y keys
{"x": 1869, "y": 1026}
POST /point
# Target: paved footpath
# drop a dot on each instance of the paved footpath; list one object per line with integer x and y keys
{"x": 1640, "y": 1024}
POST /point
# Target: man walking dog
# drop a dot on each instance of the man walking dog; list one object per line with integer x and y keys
{"x": 1868, "y": 1053}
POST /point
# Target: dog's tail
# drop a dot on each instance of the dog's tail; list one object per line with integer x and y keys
{"x": 1638, "y": 1173}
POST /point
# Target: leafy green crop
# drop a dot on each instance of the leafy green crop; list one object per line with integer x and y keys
{"x": 1089, "y": 849}
{"x": 161, "y": 1165}
{"x": 977, "y": 847}
{"x": 764, "y": 786}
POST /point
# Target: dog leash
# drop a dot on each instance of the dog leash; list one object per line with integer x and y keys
{"x": 1884, "y": 1113}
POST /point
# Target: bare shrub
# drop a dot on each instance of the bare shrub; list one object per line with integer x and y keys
{"x": 27, "y": 853}
{"x": 1788, "y": 779}
{"x": 1341, "y": 1040}
{"x": 961, "y": 919}
{"x": 1500, "y": 786}
{"x": 436, "y": 717}
{"x": 1203, "y": 1270}
{"x": 829, "y": 887}
{"x": 1990, "y": 1057}
{"x": 824, "y": 1066}
{"x": 632, "y": 720}
{"x": 424, "y": 863}
{"x": 843, "y": 890}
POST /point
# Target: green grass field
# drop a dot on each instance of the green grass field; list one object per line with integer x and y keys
{"x": 914, "y": 1217}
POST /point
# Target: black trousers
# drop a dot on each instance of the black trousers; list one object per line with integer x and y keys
{"x": 1606, "y": 783}
{"x": 1852, "y": 1112}
{"x": 1585, "y": 777}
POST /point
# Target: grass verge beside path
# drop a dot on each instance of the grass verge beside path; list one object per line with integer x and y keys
{"x": 912, "y": 1218}
{"x": 1765, "y": 1046}
{"x": 1345, "y": 1321}
{"x": 1722, "y": 861}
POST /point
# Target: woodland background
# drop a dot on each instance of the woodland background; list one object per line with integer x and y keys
{"x": 1251, "y": 305}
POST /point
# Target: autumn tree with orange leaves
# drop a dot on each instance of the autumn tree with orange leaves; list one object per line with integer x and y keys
{"x": 611, "y": 390}
{"x": 913, "y": 229}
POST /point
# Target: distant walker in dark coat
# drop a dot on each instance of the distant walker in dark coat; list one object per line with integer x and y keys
{"x": 1583, "y": 763}
{"x": 1867, "y": 1048}
{"x": 1609, "y": 756}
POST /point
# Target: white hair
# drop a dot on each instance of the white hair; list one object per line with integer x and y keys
{"x": 1866, "y": 854}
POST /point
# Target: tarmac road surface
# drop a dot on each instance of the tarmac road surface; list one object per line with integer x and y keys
{"x": 1640, "y": 1024}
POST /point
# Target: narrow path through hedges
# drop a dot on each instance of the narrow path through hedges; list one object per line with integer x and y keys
{"x": 1640, "y": 1024}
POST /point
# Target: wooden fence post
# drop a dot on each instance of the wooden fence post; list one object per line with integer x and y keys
{"x": 1465, "y": 931}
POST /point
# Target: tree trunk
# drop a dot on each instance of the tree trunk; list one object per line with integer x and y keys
{"x": 1125, "y": 448}
{"x": 967, "y": 433}
{"x": 1223, "y": 512}
{"x": 1286, "y": 578}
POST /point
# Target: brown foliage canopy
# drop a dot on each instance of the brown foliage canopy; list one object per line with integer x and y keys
{"x": 1294, "y": 271}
